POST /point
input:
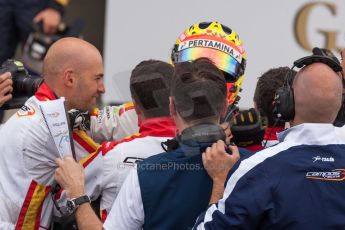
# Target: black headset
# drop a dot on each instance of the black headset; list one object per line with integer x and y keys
{"x": 284, "y": 103}
{"x": 205, "y": 132}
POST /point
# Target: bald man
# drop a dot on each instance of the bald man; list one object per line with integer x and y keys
{"x": 73, "y": 69}
{"x": 297, "y": 184}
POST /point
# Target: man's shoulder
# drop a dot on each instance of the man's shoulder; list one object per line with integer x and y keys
{"x": 286, "y": 152}
{"x": 245, "y": 153}
{"x": 157, "y": 158}
{"x": 133, "y": 143}
{"x": 260, "y": 157}
{"x": 27, "y": 117}
{"x": 112, "y": 146}
{"x": 162, "y": 157}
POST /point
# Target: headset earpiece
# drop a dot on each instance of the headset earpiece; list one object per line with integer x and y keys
{"x": 284, "y": 104}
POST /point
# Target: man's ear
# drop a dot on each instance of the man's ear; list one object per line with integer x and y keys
{"x": 255, "y": 105}
{"x": 172, "y": 107}
{"x": 69, "y": 78}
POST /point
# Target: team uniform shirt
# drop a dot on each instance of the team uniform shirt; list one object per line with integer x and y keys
{"x": 297, "y": 184}
{"x": 119, "y": 157}
{"x": 271, "y": 136}
{"x": 113, "y": 123}
{"x": 27, "y": 165}
{"x": 108, "y": 124}
{"x": 166, "y": 191}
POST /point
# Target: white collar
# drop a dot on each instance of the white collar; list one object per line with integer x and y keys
{"x": 310, "y": 134}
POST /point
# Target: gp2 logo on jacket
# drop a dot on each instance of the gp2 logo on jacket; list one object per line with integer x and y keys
{"x": 26, "y": 111}
{"x": 335, "y": 175}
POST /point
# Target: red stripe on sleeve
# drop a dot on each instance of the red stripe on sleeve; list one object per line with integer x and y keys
{"x": 83, "y": 143}
{"x": 25, "y": 206}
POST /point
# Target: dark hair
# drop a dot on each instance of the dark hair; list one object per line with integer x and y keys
{"x": 198, "y": 89}
{"x": 150, "y": 86}
{"x": 265, "y": 90}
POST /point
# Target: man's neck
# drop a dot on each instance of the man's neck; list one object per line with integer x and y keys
{"x": 61, "y": 93}
{"x": 185, "y": 125}
{"x": 181, "y": 124}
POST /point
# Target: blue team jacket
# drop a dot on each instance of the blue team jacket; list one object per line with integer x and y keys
{"x": 297, "y": 184}
{"x": 175, "y": 188}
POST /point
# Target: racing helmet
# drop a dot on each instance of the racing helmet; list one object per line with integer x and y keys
{"x": 218, "y": 43}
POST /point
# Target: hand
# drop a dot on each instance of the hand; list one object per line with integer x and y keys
{"x": 227, "y": 130}
{"x": 6, "y": 88}
{"x": 50, "y": 18}
{"x": 218, "y": 162}
{"x": 70, "y": 176}
{"x": 79, "y": 119}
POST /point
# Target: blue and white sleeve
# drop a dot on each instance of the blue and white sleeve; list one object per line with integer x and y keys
{"x": 246, "y": 198}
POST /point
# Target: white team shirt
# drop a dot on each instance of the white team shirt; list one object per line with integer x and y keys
{"x": 118, "y": 158}
{"x": 27, "y": 165}
{"x": 127, "y": 212}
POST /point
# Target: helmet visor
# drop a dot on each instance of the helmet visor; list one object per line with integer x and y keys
{"x": 223, "y": 61}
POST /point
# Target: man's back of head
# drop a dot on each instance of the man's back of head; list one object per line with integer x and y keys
{"x": 265, "y": 90}
{"x": 317, "y": 94}
{"x": 150, "y": 87}
{"x": 197, "y": 98}
{"x": 198, "y": 91}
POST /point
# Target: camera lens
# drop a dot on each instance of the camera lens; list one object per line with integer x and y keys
{"x": 27, "y": 85}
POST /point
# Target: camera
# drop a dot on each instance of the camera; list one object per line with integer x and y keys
{"x": 38, "y": 43}
{"x": 24, "y": 85}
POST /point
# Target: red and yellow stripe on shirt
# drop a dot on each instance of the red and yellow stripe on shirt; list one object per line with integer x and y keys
{"x": 85, "y": 141}
{"x": 107, "y": 146}
{"x": 85, "y": 161}
{"x": 30, "y": 213}
{"x": 126, "y": 107}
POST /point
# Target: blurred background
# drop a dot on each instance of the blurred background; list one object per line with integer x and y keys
{"x": 93, "y": 15}
{"x": 275, "y": 33}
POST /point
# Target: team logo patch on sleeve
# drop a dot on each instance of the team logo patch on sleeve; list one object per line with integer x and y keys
{"x": 336, "y": 175}
{"x": 26, "y": 111}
